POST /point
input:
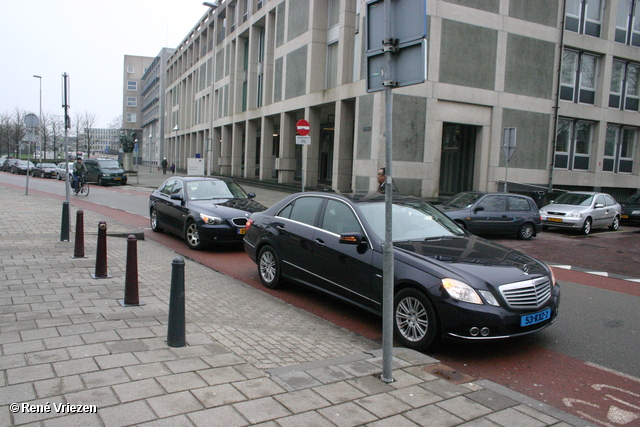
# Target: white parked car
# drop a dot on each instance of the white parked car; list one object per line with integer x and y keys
{"x": 61, "y": 170}
{"x": 583, "y": 211}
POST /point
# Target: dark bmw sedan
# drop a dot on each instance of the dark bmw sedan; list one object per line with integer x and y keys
{"x": 494, "y": 213}
{"x": 202, "y": 210}
{"x": 448, "y": 282}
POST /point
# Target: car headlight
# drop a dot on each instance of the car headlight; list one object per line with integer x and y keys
{"x": 211, "y": 220}
{"x": 461, "y": 291}
{"x": 574, "y": 214}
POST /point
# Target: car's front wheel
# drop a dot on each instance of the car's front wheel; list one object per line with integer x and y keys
{"x": 192, "y": 236}
{"x": 586, "y": 227}
{"x": 415, "y": 320}
{"x": 100, "y": 183}
{"x": 526, "y": 231}
{"x": 153, "y": 216}
{"x": 269, "y": 267}
{"x": 615, "y": 224}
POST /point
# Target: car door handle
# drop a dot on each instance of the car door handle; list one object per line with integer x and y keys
{"x": 280, "y": 227}
{"x": 320, "y": 242}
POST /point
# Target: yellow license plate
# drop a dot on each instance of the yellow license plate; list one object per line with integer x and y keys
{"x": 624, "y": 216}
{"x": 555, "y": 219}
{"x": 242, "y": 231}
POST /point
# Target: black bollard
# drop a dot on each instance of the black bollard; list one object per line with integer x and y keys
{"x": 78, "y": 250}
{"x": 176, "y": 330}
{"x": 64, "y": 226}
{"x": 101, "y": 253}
{"x": 131, "y": 276}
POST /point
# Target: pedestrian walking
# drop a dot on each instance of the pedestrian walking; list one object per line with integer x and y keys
{"x": 164, "y": 166}
{"x": 173, "y": 168}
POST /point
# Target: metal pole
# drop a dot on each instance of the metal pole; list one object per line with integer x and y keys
{"x": 175, "y": 152}
{"x": 388, "y": 259}
{"x": 64, "y": 233}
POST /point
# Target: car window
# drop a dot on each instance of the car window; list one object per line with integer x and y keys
{"x": 207, "y": 190}
{"x": 109, "y": 164}
{"x": 302, "y": 209}
{"x": 338, "y": 218}
{"x": 462, "y": 200}
{"x": 610, "y": 200}
{"x": 518, "y": 203}
{"x": 600, "y": 200}
{"x": 576, "y": 199}
{"x": 633, "y": 199}
{"x": 494, "y": 204}
{"x": 166, "y": 188}
{"x": 177, "y": 187}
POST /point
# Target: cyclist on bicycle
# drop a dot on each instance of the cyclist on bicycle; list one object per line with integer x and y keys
{"x": 79, "y": 169}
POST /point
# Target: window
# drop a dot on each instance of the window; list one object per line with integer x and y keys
{"x": 619, "y": 149}
{"x": 573, "y": 144}
{"x": 494, "y": 204}
{"x": 260, "y": 78}
{"x": 132, "y": 101}
{"x": 303, "y": 209}
{"x": 628, "y": 22}
{"x": 332, "y": 66}
{"x": 584, "y": 17}
{"x": 333, "y": 15}
{"x": 132, "y": 85}
{"x": 518, "y": 204}
{"x": 579, "y": 76}
{"x": 338, "y": 218}
{"x": 130, "y": 69}
{"x": 624, "y": 92}
{"x": 132, "y": 118}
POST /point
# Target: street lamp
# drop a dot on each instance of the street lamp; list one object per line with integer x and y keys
{"x": 213, "y": 6}
{"x": 175, "y": 149}
{"x": 40, "y": 116}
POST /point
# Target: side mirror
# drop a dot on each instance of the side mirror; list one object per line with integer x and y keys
{"x": 251, "y": 195}
{"x": 177, "y": 196}
{"x": 479, "y": 208}
{"x": 351, "y": 238}
{"x": 599, "y": 205}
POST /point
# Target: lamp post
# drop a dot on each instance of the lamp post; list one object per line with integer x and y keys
{"x": 150, "y": 139}
{"x": 175, "y": 149}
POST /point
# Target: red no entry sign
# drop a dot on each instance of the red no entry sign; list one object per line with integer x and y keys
{"x": 302, "y": 126}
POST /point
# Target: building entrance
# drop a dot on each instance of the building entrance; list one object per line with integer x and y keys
{"x": 458, "y": 158}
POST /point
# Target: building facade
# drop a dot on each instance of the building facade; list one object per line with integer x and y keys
{"x": 134, "y": 69}
{"x": 154, "y": 83}
{"x": 563, "y": 74}
{"x": 104, "y": 141}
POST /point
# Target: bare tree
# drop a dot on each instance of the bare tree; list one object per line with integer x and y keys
{"x": 83, "y": 123}
{"x": 16, "y": 131}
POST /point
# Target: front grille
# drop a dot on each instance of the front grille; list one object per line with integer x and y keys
{"x": 239, "y": 222}
{"x": 527, "y": 294}
{"x": 556, "y": 213}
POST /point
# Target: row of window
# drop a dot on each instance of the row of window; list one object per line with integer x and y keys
{"x": 585, "y": 17}
{"x": 580, "y": 75}
{"x": 574, "y": 144}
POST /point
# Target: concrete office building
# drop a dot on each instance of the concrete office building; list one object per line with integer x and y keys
{"x": 134, "y": 69}
{"x": 154, "y": 83}
{"x": 564, "y": 77}
{"x": 104, "y": 141}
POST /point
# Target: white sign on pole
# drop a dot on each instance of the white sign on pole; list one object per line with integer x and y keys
{"x": 303, "y": 140}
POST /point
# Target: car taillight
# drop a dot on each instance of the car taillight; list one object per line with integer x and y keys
{"x": 248, "y": 224}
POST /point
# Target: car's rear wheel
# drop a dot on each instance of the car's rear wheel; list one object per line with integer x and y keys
{"x": 100, "y": 183}
{"x": 153, "y": 216}
{"x": 415, "y": 320}
{"x": 526, "y": 231}
{"x": 586, "y": 227}
{"x": 269, "y": 267}
{"x": 615, "y": 224}
{"x": 192, "y": 236}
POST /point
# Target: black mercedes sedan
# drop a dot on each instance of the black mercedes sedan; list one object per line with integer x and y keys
{"x": 202, "y": 210}
{"x": 448, "y": 282}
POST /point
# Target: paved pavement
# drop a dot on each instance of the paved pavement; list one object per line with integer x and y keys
{"x": 72, "y": 354}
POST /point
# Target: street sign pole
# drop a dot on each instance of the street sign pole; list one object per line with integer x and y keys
{"x": 302, "y": 127}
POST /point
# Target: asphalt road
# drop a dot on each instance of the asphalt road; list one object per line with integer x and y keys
{"x": 586, "y": 363}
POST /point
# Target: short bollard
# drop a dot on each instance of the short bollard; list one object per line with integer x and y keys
{"x": 78, "y": 249}
{"x": 131, "y": 276}
{"x": 176, "y": 330}
{"x": 101, "y": 252}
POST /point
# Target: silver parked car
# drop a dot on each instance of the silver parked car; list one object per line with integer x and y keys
{"x": 583, "y": 211}
{"x": 61, "y": 170}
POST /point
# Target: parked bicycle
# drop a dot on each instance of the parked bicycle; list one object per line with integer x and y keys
{"x": 81, "y": 186}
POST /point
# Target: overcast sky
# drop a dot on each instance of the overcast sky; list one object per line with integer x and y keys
{"x": 87, "y": 40}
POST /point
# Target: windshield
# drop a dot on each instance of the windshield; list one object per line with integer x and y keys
{"x": 47, "y": 165}
{"x": 635, "y": 199}
{"x": 207, "y": 190}
{"x": 411, "y": 221}
{"x": 462, "y": 200}
{"x": 109, "y": 164}
{"x": 575, "y": 199}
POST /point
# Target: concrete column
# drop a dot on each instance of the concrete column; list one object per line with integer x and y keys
{"x": 225, "y": 151}
{"x": 251, "y": 134}
{"x": 310, "y": 153}
{"x": 215, "y": 151}
{"x": 266, "y": 149}
{"x": 287, "y": 159}
{"x": 237, "y": 148}
{"x": 343, "y": 143}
